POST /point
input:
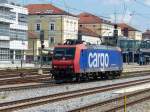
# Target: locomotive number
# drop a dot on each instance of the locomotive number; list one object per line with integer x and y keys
{"x": 96, "y": 60}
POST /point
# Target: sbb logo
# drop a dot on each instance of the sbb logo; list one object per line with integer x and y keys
{"x": 98, "y": 60}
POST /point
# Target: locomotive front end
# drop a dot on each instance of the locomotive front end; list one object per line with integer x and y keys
{"x": 63, "y": 62}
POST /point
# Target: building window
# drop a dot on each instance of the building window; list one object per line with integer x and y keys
{"x": 4, "y": 54}
{"x": 11, "y": 54}
{"x": 3, "y": 29}
{"x": 80, "y": 25}
{"x": 22, "y": 18}
{"x": 71, "y": 25}
{"x": 52, "y": 26}
{"x": 18, "y": 54}
{"x": 18, "y": 34}
{"x": 4, "y": 44}
{"x": 38, "y": 27}
{"x": 13, "y": 16}
{"x": 52, "y": 40}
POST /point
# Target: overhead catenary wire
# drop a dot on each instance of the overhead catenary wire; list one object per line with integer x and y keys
{"x": 141, "y": 3}
{"x": 123, "y": 13}
{"x": 81, "y": 10}
{"x": 66, "y": 6}
{"x": 132, "y": 16}
{"x": 75, "y": 9}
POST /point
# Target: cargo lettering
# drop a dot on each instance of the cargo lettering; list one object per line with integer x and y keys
{"x": 96, "y": 60}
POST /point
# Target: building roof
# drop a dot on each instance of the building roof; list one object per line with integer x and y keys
{"x": 48, "y": 9}
{"x": 87, "y": 32}
{"x": 147, "y": 32}
{"x": 124, "y": 25}
{"x": 88, "y": 18}
{"x": 146, "y": 35}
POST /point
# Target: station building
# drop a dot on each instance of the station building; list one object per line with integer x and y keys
{"x": 57, "y": 24}
{"x": 13, "y": 32}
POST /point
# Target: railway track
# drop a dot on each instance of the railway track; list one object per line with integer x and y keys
{"x": 28, "y": 79}
{"x": 25, "y": 71}
{"x": 48, "y": 82}
{"x": 10, "y": 74}
{"x": 11, "y": 77}
{"x": 30, "y": 86}
{"x": 16, "y": 75}
{"x": 116, "y": 103}
{"x": 26, "y": 103}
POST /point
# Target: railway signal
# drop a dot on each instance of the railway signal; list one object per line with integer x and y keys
{"x": 42, "y": 38}
{"x": 115, "y": 33}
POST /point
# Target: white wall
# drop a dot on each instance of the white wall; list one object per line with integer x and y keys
{"x": 18, "y": 45}
{"x": 90, "y": 39}
{"x": 107, "y": 30}
{"x": 138, "y": 35}
{"x": 119, "y": 32}
{"x": 4, "y": 38}
{"x": 70, "y": 25}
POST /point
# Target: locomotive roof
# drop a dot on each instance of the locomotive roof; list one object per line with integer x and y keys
{"x": 102, "y": 47}
{"x": 92, "y": 46}
{"x": 69, "y": 45}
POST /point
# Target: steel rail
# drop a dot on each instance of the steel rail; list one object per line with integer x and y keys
{"x": 30, "y": 102}
{"x": 100, "y": 105}
{"x": 49, "y": 82}
{"x": 13, "y": 72}
{"x": 22, "y": 80}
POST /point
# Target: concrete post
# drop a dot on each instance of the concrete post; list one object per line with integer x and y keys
{"x": 14, "y": 55}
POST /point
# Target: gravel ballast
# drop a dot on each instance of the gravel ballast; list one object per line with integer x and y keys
{"x": 70, "y": 104}
{"x": 63, "y": 106}
{"x": 23, "y": 94}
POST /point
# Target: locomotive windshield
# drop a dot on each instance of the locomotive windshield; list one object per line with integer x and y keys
{"x": 67, "y": 53}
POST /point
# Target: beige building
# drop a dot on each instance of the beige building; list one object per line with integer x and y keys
{"x": 57, "y": 24}
{"x": 130, "y": 32}
{"x": 96, "y": 24}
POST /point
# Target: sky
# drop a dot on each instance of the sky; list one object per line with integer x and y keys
{"x": 132, "y": 12}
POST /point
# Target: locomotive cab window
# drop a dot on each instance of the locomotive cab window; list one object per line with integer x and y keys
{"x": 67, "y": 53}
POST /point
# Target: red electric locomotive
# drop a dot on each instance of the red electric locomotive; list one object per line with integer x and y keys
{"x": 76, "y": 61}
{"x": 65, "y": 62}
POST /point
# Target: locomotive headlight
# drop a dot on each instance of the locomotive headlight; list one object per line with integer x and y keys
{"x": 54, "y": 66}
